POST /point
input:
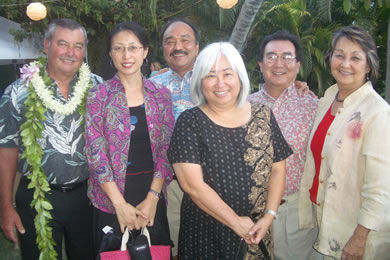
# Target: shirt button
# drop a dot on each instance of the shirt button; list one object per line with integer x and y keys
{"x": 322, "y": 157}
{"x": 318, "y": 204}
{"x": 328, "y": 133}
{"x": 321, "y": 182}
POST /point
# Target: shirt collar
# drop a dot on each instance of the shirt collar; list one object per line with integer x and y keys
{"x": 285, "y": 94}
{"x": 175, "y": 74}
{"x": 353, "y": 98}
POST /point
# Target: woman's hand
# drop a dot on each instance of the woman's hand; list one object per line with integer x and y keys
{"x": 148, "y": 207}
{"x": 243, "y": 226}
{"x": 127, "y": 216}
{"x": 258, "y": 230}
{"x": 354, "y": 249}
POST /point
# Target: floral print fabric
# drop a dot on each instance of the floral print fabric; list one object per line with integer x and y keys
{"x": 108, "y": 131}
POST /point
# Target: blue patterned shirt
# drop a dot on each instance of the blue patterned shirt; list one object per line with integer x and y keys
{"x": 179, "y": 88}
{"x": 62, "y": 139}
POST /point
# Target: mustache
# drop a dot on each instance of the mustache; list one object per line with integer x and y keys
{"x": 178, "y": 52}
{"x": 68, "y": 58}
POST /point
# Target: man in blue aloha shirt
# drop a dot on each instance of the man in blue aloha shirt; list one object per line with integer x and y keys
{"x": 61, "y": 86}
{"x": 180, "y": 40}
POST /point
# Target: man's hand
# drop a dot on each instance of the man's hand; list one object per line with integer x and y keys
{"x": 9, "y": 220}
{"x": 9, "y": 217}
{"x": 303, "y": 89}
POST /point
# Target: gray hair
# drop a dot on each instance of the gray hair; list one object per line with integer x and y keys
{"x": 206, "y": 59}
{"x": 366, "y": 42}
{"x": 63, "y": 23}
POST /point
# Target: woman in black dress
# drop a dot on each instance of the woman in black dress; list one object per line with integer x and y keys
{"x": 229, "y": 157}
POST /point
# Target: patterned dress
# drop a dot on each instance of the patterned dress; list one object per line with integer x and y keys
{"x": 236, "y": 163}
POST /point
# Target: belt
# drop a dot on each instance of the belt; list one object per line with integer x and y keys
{"x": 68, "y": 187}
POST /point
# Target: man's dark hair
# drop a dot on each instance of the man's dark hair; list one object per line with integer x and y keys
{"x": 281, "y": 36}
{"x": 175, "y": 20}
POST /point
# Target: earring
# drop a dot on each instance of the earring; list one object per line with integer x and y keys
{"x": 112, "y": 65}
{"x": 146, "y": 61}
{"x": 367, "y": 77}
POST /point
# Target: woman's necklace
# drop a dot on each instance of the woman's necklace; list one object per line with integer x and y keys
{"x": 337, "y": 98}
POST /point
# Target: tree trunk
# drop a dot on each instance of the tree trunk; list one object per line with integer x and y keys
{"x": 244, "y": 22}
{"x": 387, "y": 93}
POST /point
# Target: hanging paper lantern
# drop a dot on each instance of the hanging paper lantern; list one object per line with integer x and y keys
{"x": 36, "y": 11}
{"x": 226, "y": 4}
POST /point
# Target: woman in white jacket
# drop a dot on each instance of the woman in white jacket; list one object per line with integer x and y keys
{"x": 345, "y": 185}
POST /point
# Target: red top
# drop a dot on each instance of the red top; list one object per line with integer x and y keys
{"x": 316, "y": 146}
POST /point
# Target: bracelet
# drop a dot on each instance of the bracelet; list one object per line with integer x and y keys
{"x": 271, "y": 212}
{"x": 155, "y": 193}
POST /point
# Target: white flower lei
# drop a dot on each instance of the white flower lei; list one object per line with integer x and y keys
{"x": 45, "y": 94}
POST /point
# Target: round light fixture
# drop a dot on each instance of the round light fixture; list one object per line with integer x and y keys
{"x": 36, "y": 11}
{"x": 226, "y": 4}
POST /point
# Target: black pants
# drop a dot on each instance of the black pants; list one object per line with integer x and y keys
{"x": 72, "y": 220}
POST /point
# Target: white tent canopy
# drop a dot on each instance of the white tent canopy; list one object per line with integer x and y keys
{"x": 12, "y": 52}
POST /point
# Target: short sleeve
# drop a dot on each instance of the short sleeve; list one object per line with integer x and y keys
{"x": 185, "y": 142}
{"x": 281, "y": 148}
{"x": 11, "y": 111}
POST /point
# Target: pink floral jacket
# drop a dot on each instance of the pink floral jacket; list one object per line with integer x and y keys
{"x": 108, "y": 130}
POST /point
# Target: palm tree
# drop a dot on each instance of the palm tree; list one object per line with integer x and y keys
{"x": 244, "y": 22}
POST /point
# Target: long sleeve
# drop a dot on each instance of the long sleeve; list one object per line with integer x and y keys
{"x": 96, "y": 145}
{"x": 163, "y": 167}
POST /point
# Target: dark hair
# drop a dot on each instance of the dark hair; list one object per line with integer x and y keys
{"x": 366, "y": 42}
{"x": 175, "y": 20}
{"x": 281, "y": 36}
{"x": 63, "y": 23}
{"x": 135, "y": 28}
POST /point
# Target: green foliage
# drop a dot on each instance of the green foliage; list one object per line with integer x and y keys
{"x": 313, "y": 21}
{"x": 31, "y": 131}
{"x": 347, "y": 6}
{"x": 19, "y": 35}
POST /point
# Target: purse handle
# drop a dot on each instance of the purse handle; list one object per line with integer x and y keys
{"x": 126, "y": 236}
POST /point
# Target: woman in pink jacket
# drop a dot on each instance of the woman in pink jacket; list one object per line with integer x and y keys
{"x": 129, "y": 122}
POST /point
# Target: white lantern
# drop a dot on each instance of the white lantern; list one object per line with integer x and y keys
{"x": 36, "y": 11}
{"x": 226, "y": 4}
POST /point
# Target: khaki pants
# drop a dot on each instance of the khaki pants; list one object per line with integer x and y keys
{"x": 289, "y": 241}
{"x": 174, "y": 196}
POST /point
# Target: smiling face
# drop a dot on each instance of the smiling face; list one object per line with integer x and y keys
{"x": 180, "y": 47}
{"x": 127, "y": 53}
{"x": 349, "y": 65}
{"x": 221, "y": 86}
{"x": 65, "y": 52}
{"x": 277, "y": 73}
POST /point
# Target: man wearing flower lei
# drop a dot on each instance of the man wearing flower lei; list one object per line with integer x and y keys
{"x": 41, "y": 136}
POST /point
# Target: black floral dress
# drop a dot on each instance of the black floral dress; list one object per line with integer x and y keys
{"x": 237, "y": 164}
